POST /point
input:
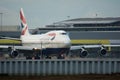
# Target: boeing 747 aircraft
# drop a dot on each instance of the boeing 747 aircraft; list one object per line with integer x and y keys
{"x": 55, "y": 42}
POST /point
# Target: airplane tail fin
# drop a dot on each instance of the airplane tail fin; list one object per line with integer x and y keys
{"x": 24, "y": 25}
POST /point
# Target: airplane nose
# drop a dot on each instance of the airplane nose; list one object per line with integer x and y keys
{"x": 67, "y": 42}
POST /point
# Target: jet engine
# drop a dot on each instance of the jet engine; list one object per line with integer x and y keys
{"x": 103, "y": 51}
{"x": 83, "y": 53}
{"x": 13, "y": 53}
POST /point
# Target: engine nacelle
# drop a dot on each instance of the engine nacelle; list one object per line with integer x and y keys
{"x": 103, "y": 51}
{"x": 14, "y": 53}
{"x": 83, "y": 53}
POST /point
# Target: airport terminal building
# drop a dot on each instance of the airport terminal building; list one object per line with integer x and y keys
{"x": 87, "y": 24}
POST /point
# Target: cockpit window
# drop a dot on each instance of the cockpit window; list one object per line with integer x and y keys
{"x": 64, "y": 33}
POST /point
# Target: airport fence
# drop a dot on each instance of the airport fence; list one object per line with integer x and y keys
{"x": 60, "y": 67}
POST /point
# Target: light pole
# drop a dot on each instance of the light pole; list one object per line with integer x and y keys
{"x": 1, "y": 20}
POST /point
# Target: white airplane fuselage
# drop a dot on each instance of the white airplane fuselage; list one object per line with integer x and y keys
{"x": 53, "y": 42}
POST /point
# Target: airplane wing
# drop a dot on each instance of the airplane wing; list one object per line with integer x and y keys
{"x": 91, "y": 46}
{"x": 84, "y": 46}
{"x": 83, "y": 52}
{"x": 15, "y": 50}
{"x": 18, "y": 47}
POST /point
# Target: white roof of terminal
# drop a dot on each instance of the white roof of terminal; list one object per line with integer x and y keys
{"x": 86, "y": 22}
{"x": 90, "y": 20}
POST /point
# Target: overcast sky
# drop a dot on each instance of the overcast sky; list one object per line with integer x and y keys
{"x": 43, "y": 12}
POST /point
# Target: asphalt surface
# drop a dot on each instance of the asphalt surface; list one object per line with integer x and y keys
{"x": 63, "y": 77}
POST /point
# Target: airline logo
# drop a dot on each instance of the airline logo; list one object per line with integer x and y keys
{"x": 52, "y": 35}
{"x": 23, "y": 24}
